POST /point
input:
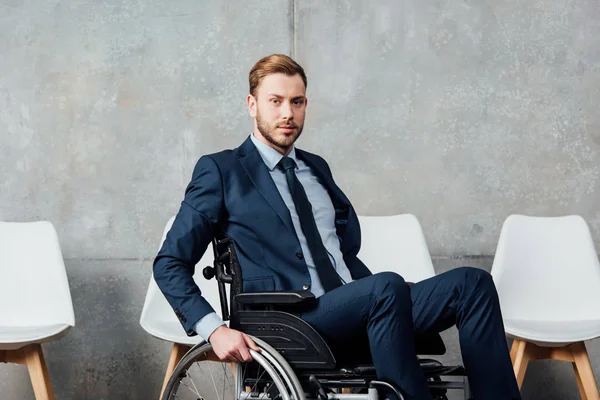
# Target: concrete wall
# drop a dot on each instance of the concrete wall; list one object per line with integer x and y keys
{"x": 460, "y": 112}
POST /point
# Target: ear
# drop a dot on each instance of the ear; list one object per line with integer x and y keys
{"x": 251, "y": 102}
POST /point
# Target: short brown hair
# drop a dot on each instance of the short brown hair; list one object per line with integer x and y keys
{"x": 274, "y": 64}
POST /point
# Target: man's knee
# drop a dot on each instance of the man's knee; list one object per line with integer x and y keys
{"x": 475, "y": 280}
{"x": 389, "y": 300}
{"x": 390, "y": 283}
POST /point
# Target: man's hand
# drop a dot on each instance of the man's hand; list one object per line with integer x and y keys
{"x": 231, "y": 345}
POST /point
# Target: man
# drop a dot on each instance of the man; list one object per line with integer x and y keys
{"x": 294, "y": 229}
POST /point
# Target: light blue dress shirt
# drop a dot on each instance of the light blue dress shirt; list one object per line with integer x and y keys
{"x": 324, "y": 214}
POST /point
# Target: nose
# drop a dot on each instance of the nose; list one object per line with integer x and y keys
{"x": 286, "y": 111}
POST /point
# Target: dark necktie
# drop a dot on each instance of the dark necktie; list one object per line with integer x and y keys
{"x": 329, "y": 278}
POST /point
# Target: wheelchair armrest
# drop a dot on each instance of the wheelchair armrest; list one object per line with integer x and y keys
{"x": 274, "y": 298}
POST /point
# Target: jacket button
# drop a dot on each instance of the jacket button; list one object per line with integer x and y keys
{"x": 299, "y": 256}
{"x": 305, "y": 287}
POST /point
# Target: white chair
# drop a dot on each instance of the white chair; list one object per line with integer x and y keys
{"x": 395, "y": 243}
{"x": 400, "y": 235}
{"x": 35, "y": 300}
{"x": 547, "y": 274}
{"x": 159, "y": 320}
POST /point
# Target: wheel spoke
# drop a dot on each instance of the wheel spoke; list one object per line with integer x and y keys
{"x": 224, "y": 376}
{"x": 191, "y": 390}
{"x": 214, "y": 384}
{"x": 193, "y": 380}
{"x": 257, "y": 379}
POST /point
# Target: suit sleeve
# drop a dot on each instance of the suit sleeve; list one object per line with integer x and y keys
{"x": 192, "y": 231}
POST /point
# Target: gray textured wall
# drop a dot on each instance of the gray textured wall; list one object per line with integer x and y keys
{"x": 460, "y": 112}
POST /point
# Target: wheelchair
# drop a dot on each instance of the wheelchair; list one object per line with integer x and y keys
{"x": 294, "y": 362}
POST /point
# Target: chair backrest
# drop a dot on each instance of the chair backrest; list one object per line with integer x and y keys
{"x": 546, "y": 268}
{"x": 34, "y": 290}
{"x": 157, "y": 311}
{"x": 395, "y": 243}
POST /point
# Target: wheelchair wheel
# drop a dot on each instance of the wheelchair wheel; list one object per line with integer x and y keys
{"x": 200, "y": 375}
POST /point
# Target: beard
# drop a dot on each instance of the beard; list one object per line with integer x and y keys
{"x": 269, "y": 132}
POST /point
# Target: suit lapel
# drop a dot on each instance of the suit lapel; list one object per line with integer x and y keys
{"x": 261, "y": 178}
{"x": 338, "y": 197}
{"x": 259, "y": 174}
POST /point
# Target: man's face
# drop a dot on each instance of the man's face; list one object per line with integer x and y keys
{"x": 278, "y": 110}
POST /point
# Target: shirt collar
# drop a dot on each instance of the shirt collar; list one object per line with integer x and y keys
{"x": 270, "y": 156}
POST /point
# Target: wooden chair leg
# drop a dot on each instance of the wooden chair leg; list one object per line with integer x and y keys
{"x": 513, "y": 350}
{"x": 583, "y": 370}
{"x": 522, "y": 352}
{"x": 38, "y": 372}
{"x": 177, "y": 354}
{"x": 522, "y": 355}
{"x": 579, "y": 383}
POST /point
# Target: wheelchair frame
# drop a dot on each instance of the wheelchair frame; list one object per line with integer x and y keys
{"x": 263, "y": 315}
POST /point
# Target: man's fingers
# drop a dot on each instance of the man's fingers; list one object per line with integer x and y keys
{"x": 233, "y": 346}
{"x": 222, "y": 356}
{"x": 244, "y": 353}
{"x": 230, "y": 356}
{"x": 250, "y": 343}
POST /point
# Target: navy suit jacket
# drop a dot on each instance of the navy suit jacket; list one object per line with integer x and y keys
{"x": 232, "y": 193}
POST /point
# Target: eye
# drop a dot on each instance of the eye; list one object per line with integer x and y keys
{"x": 299, "y": 102}
{"x": 275, "y": 101}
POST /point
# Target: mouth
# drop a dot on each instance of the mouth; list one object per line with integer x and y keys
{"x": 287, "y": 128}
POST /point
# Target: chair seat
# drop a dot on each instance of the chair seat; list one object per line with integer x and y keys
{"x": 553, "y": 333}
{"x": 171, "y": 332}
{"x": 16, "y": 337}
